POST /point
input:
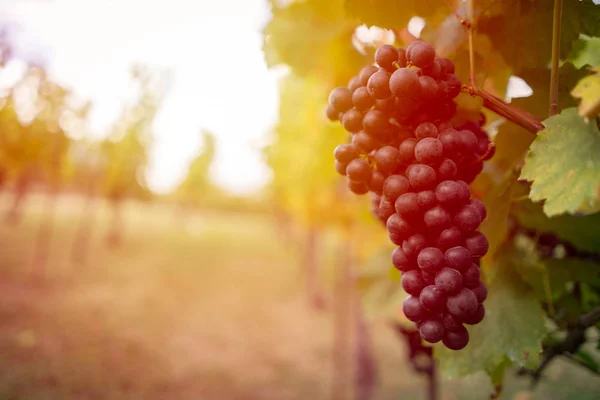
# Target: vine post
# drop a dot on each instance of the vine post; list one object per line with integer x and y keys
{"x": 556, "y": 19}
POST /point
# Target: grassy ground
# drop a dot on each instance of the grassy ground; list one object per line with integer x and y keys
{"x": 205, "y": 307}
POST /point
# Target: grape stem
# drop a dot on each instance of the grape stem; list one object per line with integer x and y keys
{"x": 567, "y": 347}
{"x": 555, "y": 57}
{"x": 469, "y": 27}
{"x": 518, "y": 116}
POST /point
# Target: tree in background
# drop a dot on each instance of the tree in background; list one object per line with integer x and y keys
{"x": 197, "y": 188}
{"x": 125, "y": 151}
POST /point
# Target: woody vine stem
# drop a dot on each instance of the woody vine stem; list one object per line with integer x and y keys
{"x": 521, "y": 117}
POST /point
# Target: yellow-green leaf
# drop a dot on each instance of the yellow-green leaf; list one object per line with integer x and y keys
{"x": 563, "y": 165}
{"x": 588, "y": 90}
{"x": 585, "y": 52}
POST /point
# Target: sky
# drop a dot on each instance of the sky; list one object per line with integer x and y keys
{"x": 219, "y": 80}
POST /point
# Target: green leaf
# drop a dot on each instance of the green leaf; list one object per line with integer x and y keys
{"x": 590, "y": 18}
{"x": 390, "y": 13}
{"x": 548, "y": 277}
{"x": 512, "y": 329}
{"x": 523, "y": 33}
{"x": 588, "y": 90}
{"x": 585, "y": 52}
{"x": 564, "y": 165}
{"x": 583, "y": 232}
{"x": 312, "y": 37}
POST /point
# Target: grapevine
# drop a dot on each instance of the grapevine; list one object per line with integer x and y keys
{"x": 417, "y": 165}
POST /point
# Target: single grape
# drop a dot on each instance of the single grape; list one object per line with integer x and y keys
{"x": 463, "y": 304}
{"x": 429, "y": 151}
{"x": 407, "y": 151}
{"x": 451, "y": 323}
{"x": 340, "y": 98}
{"x": 405, "y": 106}
{"x": 412, "y": 282}
{"x": 444, "y": 126}
{"x": 366, "y": 73}
{"x": 358, "y": 187}
{"x": 477, "y": 244}
{"x": 477, "y": 317}
{"x": 429, "y": 87}
{"x": 412, "y": 309}
{"x": 432, "y": 331}
{"x": 345, "y": 153}
{"x": 447, "y": 169}
{"x": 340, "y": 167}
{"x": 361, "y": 99}
{"x": 394, "y": 186}
{"x": 413, "y": 245}
{"x": 459, "y": 258}
{"x": 449, "y": 280}
{"x": 421, "y": 55}
{"x": 407, "y": 205}
{"x": 364, "y": 142}
{"x": 426, "y": 129}
{"x": 376, "y": 124}
{"x": 456, "y": 339}
{"x": 352, "y": 120}
{"x": 332, "y": 113}
{"x": 430, "y": 259}
{"x": 386, "y": 159}
{"x": 443, "y": 91}
{"x": 421, "y": 177}
{"x": 359, "y": 170}
{"x": 434, "y": 70}
{"x": 469, "y": 142}
{"x": 447, "y": 65}
{"x": 474, "y": 169}
{"x": 375, "y": 184}
{"x": 401, "y": 261}
{"x": 411, "y": 45}
{"x": 451, "y": 194}
{"x": 481, "y": 292}
{"x": 386, "y": 105}
{"x": 437, "y": 218}
{"x": 490, "y": 150}
{"x": 398, "y": 229}
{"x": 450, "y": 139}
{"x": 354, "y": 83}
{"x": 454, "y": 86}
{"x": 386, "y": 209}
{"x": 404, "y": 82}
{"x": 471, "y": 276}
{"x": 449, "y": 238}
{"x": 467, "y": 218}
{"x": 379, "y": 85}
{"x": 386, "y": 56}
{"x": 432, "y": 298}
{"x": 426, "y": 199}
{"x": 478, "y": 204}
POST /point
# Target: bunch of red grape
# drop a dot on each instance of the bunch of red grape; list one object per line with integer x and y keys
{"x": 418, "y": 166}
